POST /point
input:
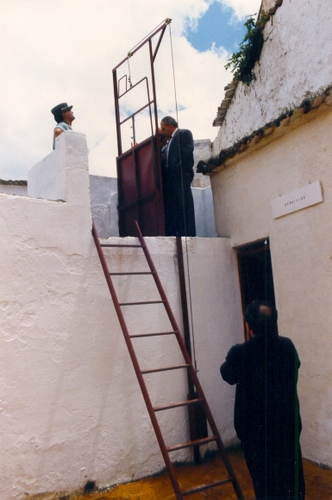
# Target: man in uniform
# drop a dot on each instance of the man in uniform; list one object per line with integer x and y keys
{"x": 64, "y": 117}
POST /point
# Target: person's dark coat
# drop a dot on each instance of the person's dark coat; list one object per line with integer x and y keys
{"x": 266, "y": 416}
{"x": 177, "y": 176}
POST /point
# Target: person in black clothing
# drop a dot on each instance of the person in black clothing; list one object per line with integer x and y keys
{"x": 177, "y": 172}
{"x": 266, "y": 416}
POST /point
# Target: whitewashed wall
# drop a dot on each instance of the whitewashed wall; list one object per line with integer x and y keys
{"x": 301, "y": 250}
{"x": 104, "y": 195}
{"x": 70, "y": 406}
{"x": 296, "y": 59}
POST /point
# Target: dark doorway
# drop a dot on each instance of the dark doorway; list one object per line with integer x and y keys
{"x": 255, "y": 272}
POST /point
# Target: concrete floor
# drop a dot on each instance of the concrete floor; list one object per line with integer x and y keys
{"x": 318, "y": 483}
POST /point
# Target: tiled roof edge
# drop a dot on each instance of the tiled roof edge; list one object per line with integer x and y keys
{"x": 311, "y": 102}
{"x": 231, "y": 87}
{"x": 13, "y": 183}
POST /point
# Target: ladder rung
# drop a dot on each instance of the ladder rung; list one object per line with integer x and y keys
{"x": 118, "y": 245}
{"x": 206, "y": 487}
{"x": 188, "y": 444}
{"x": 131, "y": 273}
{"x": 200, "y": 399}
{"x": 141, "y": 303}
{"x": 166, "y": 368}
{"x": 177, "y": 405}
{"x": 137, "y": 335}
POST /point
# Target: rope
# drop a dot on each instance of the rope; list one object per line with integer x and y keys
{"x": 184, "y": 213}
{"x": 173, "y": 73}
{"x": 133, "y": 137}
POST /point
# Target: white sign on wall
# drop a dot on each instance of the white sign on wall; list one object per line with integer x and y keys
{"x": 297, "y": 200}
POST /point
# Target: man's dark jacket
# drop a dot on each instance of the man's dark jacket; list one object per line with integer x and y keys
{"x": 266, "y": 415}
{"x": 177, "y": 176}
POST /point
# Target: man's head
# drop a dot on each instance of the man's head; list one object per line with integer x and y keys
{"x": 63, "y": 113}
{"x": 168, "y": 125}
{"x": 261, "y": 316}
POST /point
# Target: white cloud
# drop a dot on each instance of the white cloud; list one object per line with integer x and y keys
{"x": 243, "y": 8}
{"x": 65, "y": 50}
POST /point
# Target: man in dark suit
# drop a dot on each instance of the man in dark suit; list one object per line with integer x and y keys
{"x": 267, "y": 417}
{"x": 177, "y": 171}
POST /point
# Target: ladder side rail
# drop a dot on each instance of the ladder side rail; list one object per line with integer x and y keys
{"x": 172, "y": 318}
{"x": 188, "y": 360}
{"x": 163, "y": 295}
{"x": 138, "y": 372}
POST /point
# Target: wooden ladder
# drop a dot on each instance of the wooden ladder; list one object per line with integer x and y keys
{"x": 186, "y": 365}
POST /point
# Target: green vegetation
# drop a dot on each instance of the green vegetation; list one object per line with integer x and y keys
{"x": 242, "y": 62}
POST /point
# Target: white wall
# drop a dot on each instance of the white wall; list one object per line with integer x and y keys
{"x": 104, "y": 195}
{"x": 104, "y": 205}
{"x": 296, "y": 59}
{"x": 71, "y": 409}
{"x": 14, "y": 187}
{"x": 301, "y": 244}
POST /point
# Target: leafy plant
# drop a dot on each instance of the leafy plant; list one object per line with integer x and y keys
{"x": 242, "y": 62}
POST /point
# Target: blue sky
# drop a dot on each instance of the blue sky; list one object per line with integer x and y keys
{"x": 218, "y": 26}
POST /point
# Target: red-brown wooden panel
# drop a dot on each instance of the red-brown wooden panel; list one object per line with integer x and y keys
{"x": 140, "y": 190}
